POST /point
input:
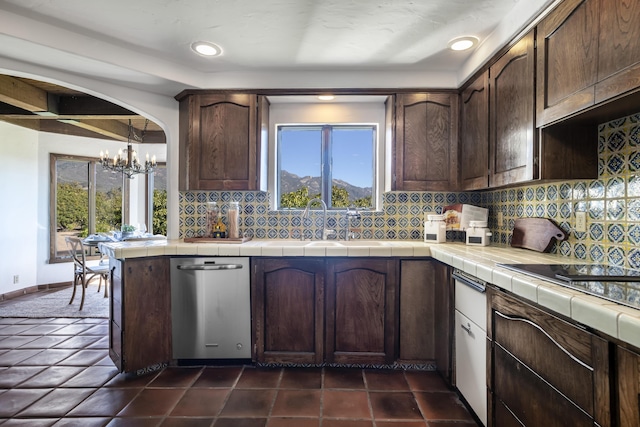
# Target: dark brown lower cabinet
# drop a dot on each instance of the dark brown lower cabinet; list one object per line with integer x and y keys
{"x": 352, "y": 311}
{"x": 288, "y": 309}
{"x": 426, "y": 315}
{"x": 140, "y": 313}
{"x": 628, "y": 366}
{"x": 361, "y": 310}
{"x": 544, "y": 370}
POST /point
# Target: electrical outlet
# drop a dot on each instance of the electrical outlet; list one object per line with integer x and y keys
{"x": 581, "y": 222}
{"x": 500, "y": 219}
{"x": 16, "y": 279}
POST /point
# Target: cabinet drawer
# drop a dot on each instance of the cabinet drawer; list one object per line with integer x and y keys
{"x": 546, "y": 370}
{"x": 472, "y": 304}
{"x": 471, "y": 364}
{"x": 530, "y": 398}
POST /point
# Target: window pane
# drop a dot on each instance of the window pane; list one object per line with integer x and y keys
{"x": 160, "y": 200}
{"x": 352, "y": 166}
{"x": 108, "y": 201}
{"x": 300, "y": 171}
{"x": 72, "y": 202}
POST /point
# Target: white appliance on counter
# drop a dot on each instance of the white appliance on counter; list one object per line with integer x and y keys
{"x": 435, "y": 229}
{"x": 478, "y": 234}
{"x": 470, "y": 341}
{"x": 211, "y": 308}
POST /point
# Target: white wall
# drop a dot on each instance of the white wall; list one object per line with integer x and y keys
{"x": 19, "y": 214}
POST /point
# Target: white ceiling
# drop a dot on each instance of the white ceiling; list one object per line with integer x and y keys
{"x": 267, "y": 43}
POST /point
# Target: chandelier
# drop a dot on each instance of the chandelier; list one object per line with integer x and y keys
{"x": 128, "y": 162}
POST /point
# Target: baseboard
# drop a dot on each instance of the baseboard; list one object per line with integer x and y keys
{"x": 33, "y": 289}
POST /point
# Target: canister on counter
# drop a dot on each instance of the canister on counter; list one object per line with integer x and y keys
{"x": 233, "y": 219}
{"x": 435, "y": 229}
{"x": 213, "y": 215}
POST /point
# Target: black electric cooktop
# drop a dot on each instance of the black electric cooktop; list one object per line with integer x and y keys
{"x": 617, "y": 284}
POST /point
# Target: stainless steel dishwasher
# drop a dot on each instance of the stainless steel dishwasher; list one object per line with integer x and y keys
{"x": 211, "y": 308}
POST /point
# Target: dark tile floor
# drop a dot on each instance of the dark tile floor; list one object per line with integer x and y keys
{"x": 57, "y": 372}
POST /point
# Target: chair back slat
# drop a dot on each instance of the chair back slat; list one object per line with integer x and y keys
{"x": 76, "y": 247}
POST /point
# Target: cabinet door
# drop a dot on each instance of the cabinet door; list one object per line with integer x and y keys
{"x": 218, "y": 142}
{"x": 544, "y": 370}
{"x": 567, "y": 64}
{"x": 424, "y": 331}
{"x": 474, "y": 134}
{"x": 618, "y": 48}
{"x": 426, "y": 142}
{"x": 628, "y": 365}
{"x": 361, "y": 311}
{"x": 145, "y": 314}
{"x": 513, "y": 136}
{"x": 288, "y": 310}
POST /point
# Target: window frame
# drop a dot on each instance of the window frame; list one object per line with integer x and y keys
{"x": 149, "y": 188}
{"x": 326, "y": 148}
{"x": 57, "y": 256}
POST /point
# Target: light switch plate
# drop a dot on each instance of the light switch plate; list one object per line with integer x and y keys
{"x": 581, "y": 222}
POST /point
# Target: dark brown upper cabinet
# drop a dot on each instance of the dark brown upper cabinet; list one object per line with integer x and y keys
{"x": 512, "y": 149}
{"x": 618, "y": 48}
{"x": 474, "y": 134}
{"x": 567, "y": 60}
{"x": 218, "y": 142}
{"x": 426, "y": 142}
{"x": 588, "y": 53}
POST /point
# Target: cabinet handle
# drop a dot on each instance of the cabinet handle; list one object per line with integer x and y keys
{"x": 209, "y": 267}
{"x": 467, "y": 328}
{"x": 556, "y": 343}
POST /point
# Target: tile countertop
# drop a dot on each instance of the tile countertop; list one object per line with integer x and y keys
{"x": 613, "y": 319}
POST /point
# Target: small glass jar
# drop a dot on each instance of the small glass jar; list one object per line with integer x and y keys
{"x": 213, "y": 214}
{"x": 233, "y": 219}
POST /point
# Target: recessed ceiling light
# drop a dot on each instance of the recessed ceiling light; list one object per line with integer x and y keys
{"x": 206, "y": 48}
{"x": 463, "y": 43}
{"x": 326, "y": 97}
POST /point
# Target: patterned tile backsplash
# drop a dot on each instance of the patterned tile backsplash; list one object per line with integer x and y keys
{"x": 611, "y": 202}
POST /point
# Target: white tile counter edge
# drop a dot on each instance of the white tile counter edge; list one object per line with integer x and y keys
{"x": 610, "y": 318}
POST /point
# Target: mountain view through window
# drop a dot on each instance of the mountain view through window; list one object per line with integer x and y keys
{"x": 334, "y": 163}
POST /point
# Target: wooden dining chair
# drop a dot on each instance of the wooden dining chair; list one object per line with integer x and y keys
{"x": 84, "y": 271}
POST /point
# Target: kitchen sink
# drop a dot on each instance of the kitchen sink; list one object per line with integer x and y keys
{"x": 324, "y": 244}
{"x": 363, "y": 243}
{"x": 284, "y": 243}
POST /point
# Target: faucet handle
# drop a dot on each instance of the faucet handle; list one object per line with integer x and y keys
{"x": 353, "y": 213}
{"x": 327, "y": 233}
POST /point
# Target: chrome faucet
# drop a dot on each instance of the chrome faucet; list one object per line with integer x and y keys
{"x": 325, "y": 231}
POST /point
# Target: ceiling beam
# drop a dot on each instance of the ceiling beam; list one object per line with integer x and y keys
{"x": 109, "y": 128}
{"x": 22, "y": 95}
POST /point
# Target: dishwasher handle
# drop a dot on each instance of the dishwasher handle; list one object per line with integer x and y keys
{"x": 209, "y": 266}
{"x": 476, "y": 284}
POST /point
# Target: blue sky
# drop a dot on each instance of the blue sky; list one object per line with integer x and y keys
{"x": 300, "y": 153}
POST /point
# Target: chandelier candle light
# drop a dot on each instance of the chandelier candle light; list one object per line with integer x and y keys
{"x": 128, "y": 162}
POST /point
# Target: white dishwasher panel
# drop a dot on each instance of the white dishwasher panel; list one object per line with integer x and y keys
{"x": 471, "y": 364}
{"x": 471, "y": 303}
